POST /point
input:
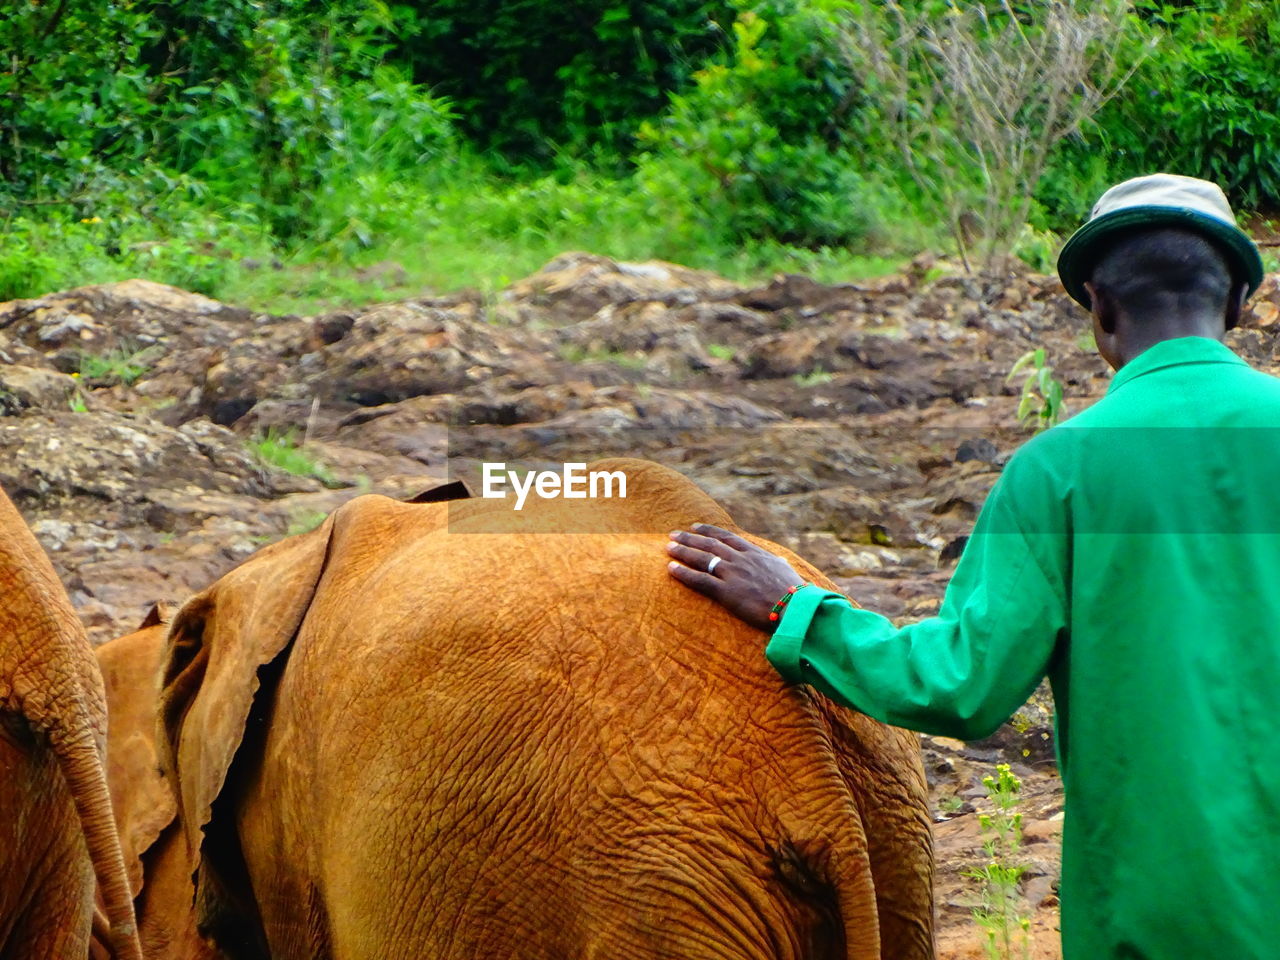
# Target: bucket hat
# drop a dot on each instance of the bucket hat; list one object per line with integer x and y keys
{"x": 1158, "y": 200}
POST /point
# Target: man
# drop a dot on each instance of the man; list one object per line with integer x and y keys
{"x": 1132, "y": 555}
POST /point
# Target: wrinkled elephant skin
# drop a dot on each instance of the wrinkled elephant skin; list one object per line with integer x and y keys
{"x": 469, "y": 743}
{"x": 56, "y": 829}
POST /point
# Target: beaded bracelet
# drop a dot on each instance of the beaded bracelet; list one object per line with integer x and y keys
{"x": 781, "y": 605}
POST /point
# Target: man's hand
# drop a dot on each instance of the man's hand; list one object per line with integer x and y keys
{"x": 744, "y": 579}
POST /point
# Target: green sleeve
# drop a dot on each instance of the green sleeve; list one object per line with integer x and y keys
{"x": 965, "y": 671}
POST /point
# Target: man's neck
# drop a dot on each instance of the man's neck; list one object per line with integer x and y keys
{"x": 1139, "y": 337}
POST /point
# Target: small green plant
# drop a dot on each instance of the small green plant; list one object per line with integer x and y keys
{"x": 304, "y": 521}
{"x": 280, "y": 448}
{"x": 1001, "y": 911}
{"x": 629, "y": 361}
{"x": 814, "y": 378}
{"x": 1041, "y": 405}
{"x": 950, "y": 804}
{"x": 76, "y": 402}
{"x": 117, "y": 366}
{"x": 721, "y": 351}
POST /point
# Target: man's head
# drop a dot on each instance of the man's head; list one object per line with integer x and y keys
{"x": 1158, "y": 283}
{"x": 1160, "y": 257}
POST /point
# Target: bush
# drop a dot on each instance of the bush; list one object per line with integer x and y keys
{"x": 276, "y": 109}
{"x": 762, "y": 147}
{"x": 528, "y": 73}
{"x": 972, "y": 97}
{"x": 26, "y": 266}
{"x": 76, "y": 100}
{"x": 309, "y": 108}
{"x": 1207, "y": 104}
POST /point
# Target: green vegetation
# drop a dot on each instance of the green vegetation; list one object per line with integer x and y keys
{"x": 1041, "y": 405}
{"x": 816, "y": 377}
{"x": 121, "y": 365}
{"x": 304, "y": 521}
{"x": 1001, "y": 911}
{"x": 628, "y": 361}
{"x": 292, "y": 155}
{"x": 721, "y": 351}
{"x": 281, "y": 449}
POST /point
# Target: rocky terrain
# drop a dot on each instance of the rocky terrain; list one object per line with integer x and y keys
{"x": 860, "y": 424}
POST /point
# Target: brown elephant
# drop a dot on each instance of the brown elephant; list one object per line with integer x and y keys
{"x": 155, "y": 850}
{"x": 56, "y": 828}
{"x": 450, "y": 731}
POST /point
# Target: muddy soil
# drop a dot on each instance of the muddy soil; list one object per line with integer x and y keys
{"x": 860, "y": 424}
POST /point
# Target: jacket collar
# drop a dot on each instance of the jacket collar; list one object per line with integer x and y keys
{"x": 1172, "y": 353}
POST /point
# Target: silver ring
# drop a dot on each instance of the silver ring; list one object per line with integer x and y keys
{"x": 712, "y": 565}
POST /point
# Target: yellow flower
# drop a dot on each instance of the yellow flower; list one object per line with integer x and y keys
{"x": 90, "y": 219}
{"x": 75, "y": 376}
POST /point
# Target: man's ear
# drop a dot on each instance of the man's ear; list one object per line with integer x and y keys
{"x": 1235, "y": 304}
{"x": 1100, "y": 305}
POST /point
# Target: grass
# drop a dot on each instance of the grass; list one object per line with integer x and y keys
{"x": 304, "y": 521}
{"x": 386, "y": 235}
{"x": 814, "y": 378}
{"x": 117, "y": 366}
{"x": 312, "y": 280}
{"x": 628, "y": 361}
{"x": 721, "y": 351}
{"x": 280, "y": 449}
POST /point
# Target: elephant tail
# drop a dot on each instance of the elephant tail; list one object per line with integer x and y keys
{"x": 86, "y": 779}
{"x": 831, "y": 851}
{"x": 856, "y": 896}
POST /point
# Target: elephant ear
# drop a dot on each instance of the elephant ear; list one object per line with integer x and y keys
{"x": 141, "y": 796}
{"x": 218, "y": 642}
{"x": 453, "y": 490}
{"x": 161, "y": 612}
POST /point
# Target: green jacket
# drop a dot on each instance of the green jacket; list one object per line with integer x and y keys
{"x": 1132, "y": 554}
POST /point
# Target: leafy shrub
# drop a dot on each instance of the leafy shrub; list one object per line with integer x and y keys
{"x": 310, "y": 108}
{"x": 76, "y": 99}
{"x": 1206, "y": 104}
{"x": 274, "y": 109}
{"x": 528, "y": 73}
{"x": 759, "y": 149}
{"x": 26, "y": 267}
{"x": 1211, "y": 107}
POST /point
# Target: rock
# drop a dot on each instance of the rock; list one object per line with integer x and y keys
{"x": 976, "y": 448}
{"x": 131, "y": 313}
{"x": 405, "y": 350}
{"x": 664, "y": 340}
{"x": 123, "y": 460}
{"x": 23, "y": 387}
{"x": 574, "y": 286}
